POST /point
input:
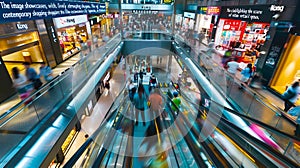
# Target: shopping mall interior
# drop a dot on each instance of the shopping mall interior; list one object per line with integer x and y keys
{"x": 150, "y": 83}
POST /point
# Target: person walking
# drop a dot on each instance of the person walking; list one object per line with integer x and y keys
{"x": 139, "y": 101}
{"x": 131, "y": 90}
{"x": 232, "y": 67}
{"x": 152, "y": 82}
{"x": 155, "y": 104}
{"x": 291, "y": 95}
{"x": 176, "y": 102}
{"x": 19, "y": 82}
{"x": 32, "y": 76}
{"x": 246, "y": 75}
{"x": 107, "y": 86}
{"x": 46, "y": 72}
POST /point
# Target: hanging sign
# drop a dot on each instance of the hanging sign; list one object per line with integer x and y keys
{"x": 20, "y": 10}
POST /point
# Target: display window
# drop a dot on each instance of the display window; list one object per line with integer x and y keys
{"x": 72, "y": 39}
{"x": 20, "y": 48}
{"x": 244, "y": 39}
{"x": 288, "y": 70}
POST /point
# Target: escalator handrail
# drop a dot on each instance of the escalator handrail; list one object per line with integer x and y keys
{"x": 187, "y": 138}
{"x": 254, "y": 93}
{"x": 243, "y": 116}
{"x": 253, "y": 140}
{"x": 101, "y": 155}
{"x": 54, "y": 80}
{"x": 84, "y": 146}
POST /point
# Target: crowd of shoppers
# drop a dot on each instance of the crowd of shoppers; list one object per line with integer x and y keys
{"x": 31, "y": 80}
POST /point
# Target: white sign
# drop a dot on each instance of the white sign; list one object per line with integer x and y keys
{"x": 189, "y": 15}
{"x": 69, "y": 21}
{"x": 22, "y": 26}
{"x": 275, "y": 8}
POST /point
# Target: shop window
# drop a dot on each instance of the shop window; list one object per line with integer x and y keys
{"x": 288, "y": 69}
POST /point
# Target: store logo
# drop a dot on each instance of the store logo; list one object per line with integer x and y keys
{"x": 22, "y": 26}
{"x": 64, "y": 21}
{"x": 275, "y": 8}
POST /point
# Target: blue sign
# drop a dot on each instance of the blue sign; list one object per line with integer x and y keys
{"x": 20, "y": 10}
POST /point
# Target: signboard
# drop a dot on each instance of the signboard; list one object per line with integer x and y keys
{"x": 158, "y": 7}
{"x": 189, "y": 15}
{"x": 213, "y": 10}
{"x": 259, "y": 13}
{"x": 19, "y": 10}
{"x": 69, "y": 21}
{"x": 202, "y": 10}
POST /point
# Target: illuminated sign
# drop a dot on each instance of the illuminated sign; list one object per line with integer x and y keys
{"x": 189, "y": 15}
{"x": 276, "y": 8}
{"x": 22, "y": 26}
{"x": 213, "y": 10}
{"x": 69, "y": 20}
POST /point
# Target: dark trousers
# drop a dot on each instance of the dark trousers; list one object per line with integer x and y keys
{"x": 288, "y": 105}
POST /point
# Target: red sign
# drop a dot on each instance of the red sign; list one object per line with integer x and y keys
{"x": 213, "y": 10}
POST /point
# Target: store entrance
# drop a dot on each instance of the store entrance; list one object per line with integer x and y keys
{"x": 19, "y": 49}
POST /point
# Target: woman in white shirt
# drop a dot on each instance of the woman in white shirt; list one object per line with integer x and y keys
{"x": 19, "y": 80}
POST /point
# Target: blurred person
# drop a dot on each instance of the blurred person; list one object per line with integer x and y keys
{"x": 291, "y": 95}
{"x": 152, "y": 82}
{"x": 155, "y": 103}
{"x": 107, "y": 85}
{"x": 295, "y": 111}
{"x": 19, "y": 80}
{"x": 46, "y": 72}
{"x": 246, "y": 75}
{"x": 131, "y": 89}
{"x": 232, "y": 67}
{"x": 32, "y": 76}
{"x": 176, "y": 102}
{"x": 140, "y": 102}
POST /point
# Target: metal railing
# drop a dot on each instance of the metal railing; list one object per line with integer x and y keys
{"x": 245, "y": 100}
{"x": 17, "y": 123}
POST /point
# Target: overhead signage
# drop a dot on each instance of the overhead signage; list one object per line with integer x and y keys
{"x": 69, "y": 21}
{"x": 276, "y": 8}
{"x": 259, "y": 13}
{"x": 202, "y": 10}
{"x": 20, "y": 10}
{"x": 213, "y": 10}
{"x": 21, "y": 26}
{"x": 157, "y": 7}
{"x": 189, "y": 15}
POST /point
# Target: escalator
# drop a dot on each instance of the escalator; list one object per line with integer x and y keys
{"x": 179, "y": 141}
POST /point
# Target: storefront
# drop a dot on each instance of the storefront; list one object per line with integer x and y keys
{"x": 207, "y": 17}
{"x": 19, "y": 42}
{"x": 95, "y": 23}
{"x": 243, "y": 29}
{"x": 74, "y": 34}
{"x": 178, "y": 21}
{"x": 288, "y": 70}
{"x": 22, "y": 43}
{"x": 188, "y": 21}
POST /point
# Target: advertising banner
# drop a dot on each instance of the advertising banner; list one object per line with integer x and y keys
{"x": 20, "y": 10}
{"x": 259, "y": 13}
